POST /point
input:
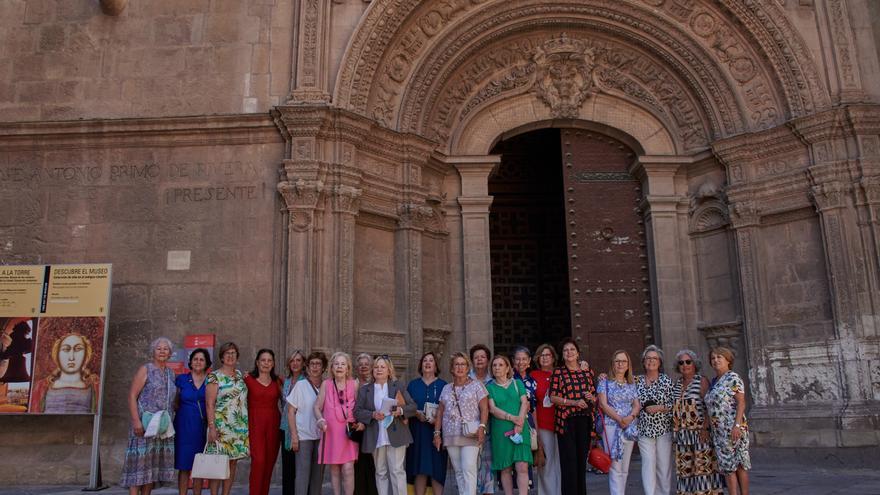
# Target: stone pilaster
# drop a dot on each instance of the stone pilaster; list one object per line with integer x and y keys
{"x": 310, "y": 68}
{"x": 346, "y": 203}
{"x": 303, "y": 190}
{"x": 843, "y": 67}
{"x": 474, "y": 201}
{"x": 665, "y": 207}
{"x": 408, "y": 260}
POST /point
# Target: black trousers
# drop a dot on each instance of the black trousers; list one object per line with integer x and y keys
{"x": 288, "y": 469}
{"x": 574, "y": 447}
{"x": 365, "y": 474}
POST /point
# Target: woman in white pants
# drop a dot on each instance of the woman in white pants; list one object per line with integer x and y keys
{"x": 655, "y": 424}
{"x": 386, "y": 439}
{"x": 546, "y": 475}
{"x": 619, "y": 400}
{"x": 461, "y": 422}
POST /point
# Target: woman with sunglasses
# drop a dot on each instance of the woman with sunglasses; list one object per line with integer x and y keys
{"x": 334, "y": 409}
{"x": 694, "y": 457}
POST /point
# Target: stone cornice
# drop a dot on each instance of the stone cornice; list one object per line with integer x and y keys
{"x": 164, "y": 131}
{"x": 331, "y": 123}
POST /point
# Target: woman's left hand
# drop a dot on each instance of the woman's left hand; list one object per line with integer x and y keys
{"x": 481, "y": 436}
{"x": 518, "y": 429}
{"x": 359, "y": 427}
{"x": 517, "y": 421}
{"x": 735, "y": 434}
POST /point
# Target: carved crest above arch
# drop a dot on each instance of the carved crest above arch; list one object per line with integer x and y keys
{"x": 564, "y": 75}
{"x": 739, "y": 61}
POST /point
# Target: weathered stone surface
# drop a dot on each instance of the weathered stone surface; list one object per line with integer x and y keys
{"x": 357, "y": 216}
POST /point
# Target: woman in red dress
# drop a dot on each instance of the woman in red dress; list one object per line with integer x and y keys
{"x": 264, "y": 416}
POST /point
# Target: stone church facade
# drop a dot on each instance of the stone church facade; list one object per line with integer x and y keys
{"x": 365, "y": 176}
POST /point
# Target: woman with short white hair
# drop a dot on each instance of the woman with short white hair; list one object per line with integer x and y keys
{"x": 655, "y": 423}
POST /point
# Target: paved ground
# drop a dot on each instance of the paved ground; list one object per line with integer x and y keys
{"x": 774, "y": 472}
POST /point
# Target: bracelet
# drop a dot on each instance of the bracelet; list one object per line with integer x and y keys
{"x": 483, "y": 426}
{"x": 436, "y": 433}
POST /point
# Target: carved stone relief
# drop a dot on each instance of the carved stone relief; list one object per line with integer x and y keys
{"x": 515, "y": 67}
{"x": 739, "y": 33}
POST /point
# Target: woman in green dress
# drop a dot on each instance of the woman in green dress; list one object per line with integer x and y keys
{"x": 226, "y": 402}
{"x": 511, "y": 445}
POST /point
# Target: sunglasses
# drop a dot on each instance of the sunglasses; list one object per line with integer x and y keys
{"x": 685, "y": 361}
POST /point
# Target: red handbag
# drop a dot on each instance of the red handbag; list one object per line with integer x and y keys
{"x": 599, "y": 459}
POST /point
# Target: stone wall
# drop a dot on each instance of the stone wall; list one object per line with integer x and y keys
{"x": 140, "y": 194}
{"x": 66, "y": 60}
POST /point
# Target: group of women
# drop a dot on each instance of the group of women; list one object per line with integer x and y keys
{"x": 505, "y": 422}
{"x": 687, "y": 428}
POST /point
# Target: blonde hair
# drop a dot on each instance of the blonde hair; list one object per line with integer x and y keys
{"x": 392, "y": 375}
{"x": 459, "y": 355}
{"x": 628, "y": 374}
{"x": 345, "y": 355}
{"x": 84, "y": 371}
{"x": 506, "y": 361}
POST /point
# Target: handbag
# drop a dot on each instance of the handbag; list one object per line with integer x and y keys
{"x": 468, "y": 428}
{"x": 599, "y": 459}
{"x": 350, "y": 429}
{"x": 210, "y": 466}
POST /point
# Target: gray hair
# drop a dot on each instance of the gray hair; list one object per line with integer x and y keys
{"x": 161, "y": 340}
{"x": 364, "y": 355}
{"x": 691, "y": 354}
{"x": 656, "y": 349}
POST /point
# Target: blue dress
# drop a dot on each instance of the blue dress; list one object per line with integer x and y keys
{"x": 190, "y": 423}
{"x": 421, "y": 456}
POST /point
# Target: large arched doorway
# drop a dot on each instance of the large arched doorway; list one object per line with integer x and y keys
{"x": 568, "y": 244}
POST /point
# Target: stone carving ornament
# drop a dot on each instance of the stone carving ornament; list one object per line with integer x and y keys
{"x": 564, "y": 75}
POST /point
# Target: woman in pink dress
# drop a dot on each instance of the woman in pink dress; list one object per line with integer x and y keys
{"x": 334, "y": 409}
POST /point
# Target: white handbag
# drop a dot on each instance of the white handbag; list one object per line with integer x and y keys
{"x": 210, "y": 466}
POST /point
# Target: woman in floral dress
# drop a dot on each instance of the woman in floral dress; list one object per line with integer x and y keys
{"x": 226, "y": 400}
{"x": 694, "y": 458}
{"x": 619, "y": 400}
{"x": 726, "y": 402}
{"x": 150, "y": 459}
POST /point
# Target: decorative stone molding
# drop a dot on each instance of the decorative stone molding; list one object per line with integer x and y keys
{"x": 435, "y": 340}
{"x": 382, "y": 58}
{"x": 310, "y": 76}
{"x": 346, "y": 199}
{"x": 728, "y": 334}
{"x": 745, "y": 214}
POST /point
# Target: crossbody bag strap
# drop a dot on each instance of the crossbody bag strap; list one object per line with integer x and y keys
{"x": 345, "y": 416}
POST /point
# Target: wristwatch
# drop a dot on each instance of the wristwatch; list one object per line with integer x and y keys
{"x": 483, "y": 426}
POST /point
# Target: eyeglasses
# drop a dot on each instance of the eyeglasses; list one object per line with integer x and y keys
{"x": 652, "y": 358}
{"x": 685, "y": 361}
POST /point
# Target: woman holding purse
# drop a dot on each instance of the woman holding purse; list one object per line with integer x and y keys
{"x": 226, "y": 401}
{"x": 461, "y": 421}
{"x": 191, "y": 420}
{"x": 386, "y": 441}
{"x": 149, "y": 458}
{"x": 334, "y": 410}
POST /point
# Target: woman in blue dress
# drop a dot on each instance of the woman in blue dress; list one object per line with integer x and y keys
{"x": 423, "y": 461}
{"x": 190, "y": 422}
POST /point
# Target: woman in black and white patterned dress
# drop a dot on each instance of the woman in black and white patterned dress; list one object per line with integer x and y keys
{"x": 655, "y": 423}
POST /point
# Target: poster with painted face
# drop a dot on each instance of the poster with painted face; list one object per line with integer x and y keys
{"x": 16, "y": 362}
{"x": 67, "y": 368}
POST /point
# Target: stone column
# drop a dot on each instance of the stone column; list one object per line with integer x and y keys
{"x": 310, "y": 81}
{"x": 474, "y": 201}
{"x": 665, "y": 216}
{"x": 302, "y": 187}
